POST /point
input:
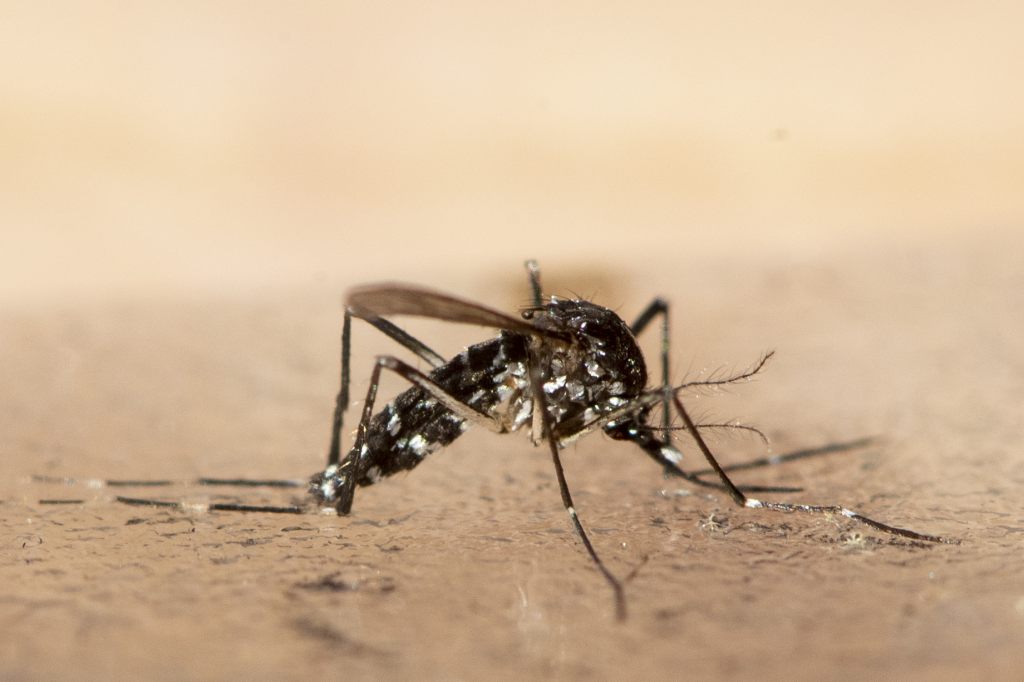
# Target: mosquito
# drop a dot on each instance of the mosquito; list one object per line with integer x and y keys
{"x": 563, "y": 368}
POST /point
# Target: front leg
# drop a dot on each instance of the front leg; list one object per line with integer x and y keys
{"x": 827, "y": 509}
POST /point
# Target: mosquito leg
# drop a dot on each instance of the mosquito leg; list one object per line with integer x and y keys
{"x": 165, "y": 483}
{"x": 103, "y": 483}
{"x": 537, "y": 382}
{"x": 668, "y": 457}
{"x": 533, "y": 270}
{"x": 354, "y": 464}
{"x": 386, "y": 327}
{"x": 185, "y": 506}
{"x": 254, "y": 482}
{"x": 390, "y": 330}
{"x": 141, "y": 502}
{"x": 393, "y": 331}
{"x": 259, "y": 508}
{"x": 697, "y": 477}
{"x": 341, "y": 401}
{"x": 661, "y": 449}
{"x": 749, "y": 502}
{"x": 214, "y": 506}
{"x": 657, "y": 307}
{"x": 623, "y": 423}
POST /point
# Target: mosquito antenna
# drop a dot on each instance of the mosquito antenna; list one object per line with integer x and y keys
{"x": 706, "y": 427}
{"x": 735, "y": 379}
{"x": 537, "y": 381}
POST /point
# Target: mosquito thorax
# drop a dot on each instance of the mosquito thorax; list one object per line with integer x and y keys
{"x": 603, "y": 346}
{"x": 603, "y": 366}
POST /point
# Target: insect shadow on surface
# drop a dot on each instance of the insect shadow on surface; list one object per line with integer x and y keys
{"x": 563, "y": 368}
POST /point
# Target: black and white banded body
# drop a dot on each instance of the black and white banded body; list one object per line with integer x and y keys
{"x": 599, "y": 372}
{"x": 489, "y": 377}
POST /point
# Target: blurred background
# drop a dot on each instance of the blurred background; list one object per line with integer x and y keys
{"x": 182, "y": 148}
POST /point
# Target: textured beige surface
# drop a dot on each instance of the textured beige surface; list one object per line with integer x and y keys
{"x": 186, "y": 191}
{"x": 466, "y": 567}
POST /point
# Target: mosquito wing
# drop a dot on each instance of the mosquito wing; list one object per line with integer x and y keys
{"x": 376, "y": 300}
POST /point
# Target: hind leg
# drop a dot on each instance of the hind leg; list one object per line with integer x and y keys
{"x": 336, "y": 485}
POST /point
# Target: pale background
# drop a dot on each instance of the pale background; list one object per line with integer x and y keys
{"x": 198, "y": 146}
{"x": 186, "y": 189}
